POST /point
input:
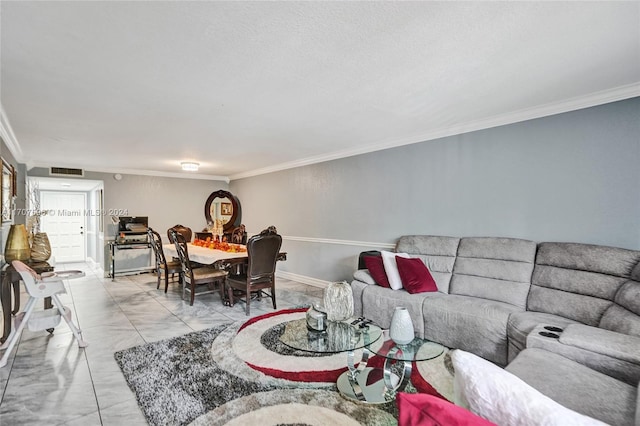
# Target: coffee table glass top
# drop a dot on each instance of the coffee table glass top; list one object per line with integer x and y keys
{"x": 339, "y": 337}
{"x": 417, "y": 350}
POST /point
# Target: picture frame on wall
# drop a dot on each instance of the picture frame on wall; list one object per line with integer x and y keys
{"x": 7, "y": 190}
{"x": 226, "y": 209}
{"x": 14, "y": 182}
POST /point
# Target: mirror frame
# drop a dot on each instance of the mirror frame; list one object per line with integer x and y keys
{"x": 234, "y": 201}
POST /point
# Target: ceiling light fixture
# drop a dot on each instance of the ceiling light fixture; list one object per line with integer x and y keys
{"x": 189, "y": 166}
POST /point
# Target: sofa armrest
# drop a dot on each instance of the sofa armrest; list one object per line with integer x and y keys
{"x": 364, "y": 276}
{"x": 601, "y": 341}
{"x": 608, "y": 352}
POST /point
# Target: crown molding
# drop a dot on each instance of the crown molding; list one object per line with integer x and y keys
{"x": 9, "y": 138}
{"x": 591, "y": 100}
{"x": 140, "y": 172}
{"x": 594, "y": 99}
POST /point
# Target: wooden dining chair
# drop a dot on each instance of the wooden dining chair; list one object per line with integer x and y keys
{"x": 164, "y": 267}
{"x": 180, "y": 229}
{"x": 192, "y": 277}
{"x": 262, "y": 251}
{"x": 239, "y": 235}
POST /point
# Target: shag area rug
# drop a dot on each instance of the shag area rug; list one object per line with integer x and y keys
{"x": 240, "y": 373}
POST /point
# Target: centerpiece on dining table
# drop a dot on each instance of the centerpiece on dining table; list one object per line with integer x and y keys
{"x": 220, "y": 245}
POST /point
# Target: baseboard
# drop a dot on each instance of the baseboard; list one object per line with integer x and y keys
{"x": 302, "y": 279}
{"x": 93, "y": 264}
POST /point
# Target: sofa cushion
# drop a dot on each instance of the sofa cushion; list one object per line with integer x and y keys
{"x": 494, "y": 268}
{"x": 419, "y": 409}
{"x": 617, "y": 345}
{"x": 613, "y": 354}
{"x": 604, "y": 260}
{"x": 505, "y": 399}
{"x": 520, "y": 325}
{"x": 379, "y": 304}
{"x": 579, "y": 281}
{"x": 415, "y": 276}
{"x": 376, "y": 269}
{"x": 391, "y": 268}
{"x": 638, "y": 407}
{"x": 577, "y": 387}
{"x": 469, "y": 323}
{"x": 624, "y": 315}
{"x": 438, "y": 253}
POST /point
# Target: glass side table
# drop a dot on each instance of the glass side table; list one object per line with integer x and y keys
{"x": 379, "y": 386}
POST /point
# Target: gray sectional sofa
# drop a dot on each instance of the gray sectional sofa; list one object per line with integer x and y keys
{"x": 496, "y": 295}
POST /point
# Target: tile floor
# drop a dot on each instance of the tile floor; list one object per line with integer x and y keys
{"x": 50, "y": 380}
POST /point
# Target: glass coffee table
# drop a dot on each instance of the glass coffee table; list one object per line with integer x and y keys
{"x": 338, "y": 337}
{"x": 379, "y": 386}
{"x": 362, "y": 383}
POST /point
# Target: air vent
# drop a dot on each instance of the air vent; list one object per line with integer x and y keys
{"x": 63, "y": 171}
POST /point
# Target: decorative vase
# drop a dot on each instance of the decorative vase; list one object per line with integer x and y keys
{"x": 316, "y": 318}
{"x": 40, "y": 248}
{"x": 17, "y": 247}
{"x": 338, "y": 301}
{"x": 401, "y": 330}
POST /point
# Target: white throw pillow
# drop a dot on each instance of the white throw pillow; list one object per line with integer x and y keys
{"x": 505, "y": 399}
{"x": 391, "y": 268}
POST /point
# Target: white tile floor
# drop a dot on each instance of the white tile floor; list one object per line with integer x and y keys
{"x": 50, "y": 380}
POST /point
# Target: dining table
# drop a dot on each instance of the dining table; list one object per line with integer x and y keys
{"x": 219, "y": 258}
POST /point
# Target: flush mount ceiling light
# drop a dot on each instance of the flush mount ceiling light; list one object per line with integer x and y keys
{"x": 189, "y": 166}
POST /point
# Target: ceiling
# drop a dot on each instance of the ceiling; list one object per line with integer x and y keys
{"x": 248, "y": 87}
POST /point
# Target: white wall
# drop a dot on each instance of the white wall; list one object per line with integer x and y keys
{"x": 570, "y": 177}
{"x": 166, "y": 201}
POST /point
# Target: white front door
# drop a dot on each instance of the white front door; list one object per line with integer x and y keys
{"x": 64, "y": 224}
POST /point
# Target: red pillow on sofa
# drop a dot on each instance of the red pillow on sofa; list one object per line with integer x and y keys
{"x": 376, "y": 269}
{"x": 415, "y": 275}
{"x": 427, "y": 410}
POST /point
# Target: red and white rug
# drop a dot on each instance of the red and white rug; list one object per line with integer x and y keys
{"x": 254, "y": 346}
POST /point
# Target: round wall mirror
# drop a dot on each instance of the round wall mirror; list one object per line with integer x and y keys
{"x": 224, "y": 206}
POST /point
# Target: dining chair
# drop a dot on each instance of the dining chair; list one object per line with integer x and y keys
{"x": 262, "y": 252}
{"x": 163, "y": 267}
{"x": 239, "y": 235}
{"x": 181, "y": 229}
{"x": 191, "y": 277}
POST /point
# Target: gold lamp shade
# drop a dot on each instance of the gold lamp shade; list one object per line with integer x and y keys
{"x": 17, "y": 247}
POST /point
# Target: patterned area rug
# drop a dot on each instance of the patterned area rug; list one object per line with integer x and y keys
{"x": 233, "y": 373}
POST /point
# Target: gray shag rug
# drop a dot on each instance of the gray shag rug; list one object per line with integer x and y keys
{"x": 196, "y": 378}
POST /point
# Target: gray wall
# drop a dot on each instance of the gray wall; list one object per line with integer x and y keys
{"x": 569, "y": 177}
{"x": 20, "y": 198}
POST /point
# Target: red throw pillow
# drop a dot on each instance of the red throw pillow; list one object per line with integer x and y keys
{"x": 415, "y": 275}
{"x": 376, "y": 269}
{"x": 427, "y": 410}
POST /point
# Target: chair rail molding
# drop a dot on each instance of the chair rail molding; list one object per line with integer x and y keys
{"x": 339, "y": 242}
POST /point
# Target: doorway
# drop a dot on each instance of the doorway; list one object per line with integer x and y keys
{"x": 65, "y": 224}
